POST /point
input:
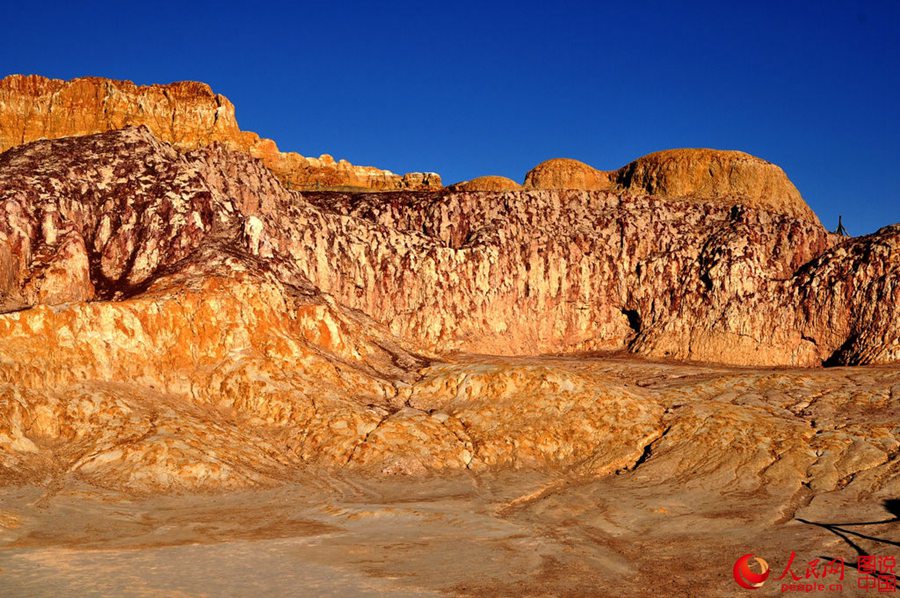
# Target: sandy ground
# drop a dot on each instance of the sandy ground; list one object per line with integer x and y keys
{"x": 658, "y": 528}
{"x": 400, "y": 537}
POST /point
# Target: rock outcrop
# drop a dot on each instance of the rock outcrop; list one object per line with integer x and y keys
{"x": 189, "y": 115}
{"x": 186, "y": 114}
{"x": 609, "y": 468}
{"x": 593, "y": 375}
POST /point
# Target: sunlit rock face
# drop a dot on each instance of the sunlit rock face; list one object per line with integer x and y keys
{"x": 181, "y": 319}
{"x": 558, "y": 271}
{"x": 187, "y": 114}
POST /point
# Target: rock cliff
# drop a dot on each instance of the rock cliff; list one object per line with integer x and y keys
{"x": 528, "y": 271}
{"x": 186, "y": 114}
{"x": 189, "y": 115}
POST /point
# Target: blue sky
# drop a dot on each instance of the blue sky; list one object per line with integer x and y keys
{"x": 471, "y": 88}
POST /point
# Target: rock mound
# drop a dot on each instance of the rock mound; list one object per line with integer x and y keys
{"x": 189, "y": 115}
{"x": 706, "y": 174}
{"x": 487, "y": 183}
{"x": 565, "y": 173}
{"x": 186, "y": 114}
{"x": 699, "y": 175}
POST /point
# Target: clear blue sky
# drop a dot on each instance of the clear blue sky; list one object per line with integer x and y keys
{"x": 472, "y": 88}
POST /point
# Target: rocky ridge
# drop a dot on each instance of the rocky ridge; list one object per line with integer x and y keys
{"x": 487, "y": 183}
{"x": 186, "y": 114}
{"x": 189, "y": 115}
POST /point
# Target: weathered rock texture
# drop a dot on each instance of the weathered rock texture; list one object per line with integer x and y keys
{"x": 174, "y": 318}
{"x": 186, "y": 114}
{"x": 700, "y": 175}
{"x": 735, "y": 461}
{"x": 517, "y": 272}
{"x": 182, "y": 320}
{"x": 549, "y": 271}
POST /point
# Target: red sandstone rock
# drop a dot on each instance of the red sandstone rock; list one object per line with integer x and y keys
{"x": 542, "y": 271}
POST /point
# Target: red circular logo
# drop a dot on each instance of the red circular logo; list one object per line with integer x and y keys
{"x": 746, "y": 577}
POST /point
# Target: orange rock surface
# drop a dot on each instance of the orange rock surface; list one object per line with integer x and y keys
{"x": 207, "y": 376}
{"x": 190, "y": 115}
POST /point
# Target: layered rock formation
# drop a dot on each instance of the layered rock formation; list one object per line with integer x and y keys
{"x": 186, "y": 114}
{"x": 737, "y": 461}
{"x": 181, "y": 319}
{"x": 189, "y": 115}
{"x": 528, "y": 271}
{"x": 175, "y": 318}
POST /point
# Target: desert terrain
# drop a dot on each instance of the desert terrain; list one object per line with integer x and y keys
{"x": 227, "y": 370}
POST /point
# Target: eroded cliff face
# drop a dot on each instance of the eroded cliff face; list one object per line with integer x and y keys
{"x": 519, "y": 272}
{"x": 183, "y": 320}
{"x": 186, "y": 114}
